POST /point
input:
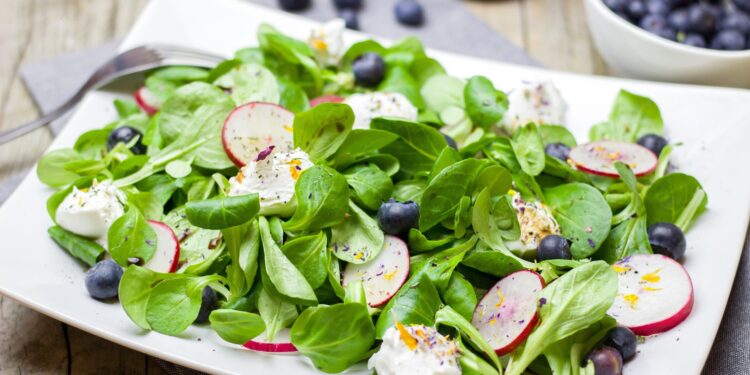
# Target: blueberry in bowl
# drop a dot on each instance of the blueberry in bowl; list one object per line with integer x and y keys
{"x": 686, "y": 41}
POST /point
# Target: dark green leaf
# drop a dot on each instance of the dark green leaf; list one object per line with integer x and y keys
{"x": 322, "y": 200}
{"x": 485, "y": 105}
{"x": 583, "y": 214}
{"x": 131, "y": 236}
{"x": 309, "y": 255}
{"x": 79, "y": 247}
{"x": 223, "y": 212}
{"x": 235, "y": 326}
{"x": 334, "y": 337}
{"x": 370, "y": 185}
{"x": 441, "y": 197}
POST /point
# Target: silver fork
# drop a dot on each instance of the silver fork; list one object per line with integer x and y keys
{"x": 131, "y": 61}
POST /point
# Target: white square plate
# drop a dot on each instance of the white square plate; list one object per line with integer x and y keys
{"x": 712, "y": 123}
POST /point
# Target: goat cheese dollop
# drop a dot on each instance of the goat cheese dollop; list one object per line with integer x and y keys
{"x": 90, "y": 211}
{"x": 417, "y": 350}
{"x": 538, "y": 102}
{"x": 535, "y": 220}
{"x": 379, "y": 104}
{"x": 327, "y": 41}
{"x": 273, "y": 177}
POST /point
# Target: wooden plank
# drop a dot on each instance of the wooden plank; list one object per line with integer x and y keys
{"x": 29, "y": 341}
{"x": 502, "y": 16}
{"x": 93, "y": 355}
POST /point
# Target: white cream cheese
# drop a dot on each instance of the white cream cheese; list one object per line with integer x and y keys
{"x": 273, "y": 178}
{"x": 539, "y": 102}
{"x": 89, "y": 212}
{"x": 379, "y": 104}
{"x": 327, "y": 41}
{"x": 536, "y": 222}
{"x": 415, "y": 350}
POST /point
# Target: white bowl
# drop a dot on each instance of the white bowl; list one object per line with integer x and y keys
{"x": 634, "y": 52}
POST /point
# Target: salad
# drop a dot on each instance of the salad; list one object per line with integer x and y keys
{"x": 360, "y": 205}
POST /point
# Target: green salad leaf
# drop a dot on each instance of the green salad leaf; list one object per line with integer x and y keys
{"x": 237, "y": 327}
{"x": 321, "y": 130}
{"x": 417, "y": 147}
{"x": 485, "y": 104}
{"x": 358, "y": 238}
{"x": 130, "y": 236}
{"x": 632, "y": 117}
{"x": 310, "y": 255}
{"x": 441, "y": 197}
{"x": 223, "y": 212}
{"x": 81, "y": 248}
{"x": 370, "y": 185}
{"x": 583, "y": 214}
{"x": 334, "y": 337}
{"x": 287, "y": 280}
{"x": 321, "y": 195}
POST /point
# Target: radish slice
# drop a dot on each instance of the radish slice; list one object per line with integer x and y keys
{"x": 599, "y": 158}
{"x": 167, "y": 255}
{"x": 508, "y": 312}
{"x": 655, "y": 294}
{"x": 148, "y": 102}
{"x": 383, "y": 276}
{"x": 282, "y": 343}
{"x": 325, "y": 99}
{"x": 253, "y": 127}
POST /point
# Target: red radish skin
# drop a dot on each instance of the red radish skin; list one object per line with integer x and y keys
{"x": 283, "y": 345}
{"x": 655, "y": 294}
{"x": 383, "y": 276}
{"x": 167, "y": 255}
{"x": 599, "y": 158}
{"x": 506, "y": 315}
{"x": 325, "y": 99}
{"x": 253, "y": 127}
{"x": 146, "y": 100}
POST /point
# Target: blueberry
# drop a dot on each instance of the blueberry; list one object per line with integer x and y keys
{"x": 679, "y": 20}
{"x": 743, "y": 4}
{"x": 125, "y": 134}
{"x": 623, "y": 340}
{"x": 347, "y": 4}
{"x": 657, "y": 24}
{"x": 409, "y": 12}
{"x": 695, "y": 40}
{"x": 369, "y": 69}
{"x": 289, "y": 5}
{"x": 607, "y": 361}
{"x": 103, "y": 279}
{"x": 702, "y": 19}
{"x": 730, "y": 40}
{"x": 209, "y": 303}
{"x": 397, "y": 218}
{"x": 617, "y": 6}
{"x": 637, "y": 10}
{"x": 557, "y": 150}
{"x": 553, "y": 247}
{"x": 451, "y": 142}
{"x": 657, "y": 7}
{"x": 653, "y": 142}
{"x": 349, "y": 16}
{"x": 736, "y": 21}
{"x": 678, "y": 3}
{"x": 667, "y": 239}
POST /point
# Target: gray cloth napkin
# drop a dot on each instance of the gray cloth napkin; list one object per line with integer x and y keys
{"x": 451, "y": 27}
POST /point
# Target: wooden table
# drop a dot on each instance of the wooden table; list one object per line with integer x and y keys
{"x": 553, "y": 32}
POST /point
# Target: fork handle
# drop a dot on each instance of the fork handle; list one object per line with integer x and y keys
{"x": 14, "y": 133}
